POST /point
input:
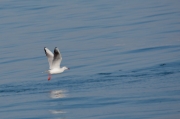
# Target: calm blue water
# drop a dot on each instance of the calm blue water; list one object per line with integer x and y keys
{"x": 124, "y": 58}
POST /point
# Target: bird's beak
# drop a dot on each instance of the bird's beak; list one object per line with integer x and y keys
{"x": 68, "y": 68}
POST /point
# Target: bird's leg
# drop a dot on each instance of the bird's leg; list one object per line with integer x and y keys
{"x": 49, "y": 77}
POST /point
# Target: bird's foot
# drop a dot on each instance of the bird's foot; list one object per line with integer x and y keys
{"x": 49, "y": 77}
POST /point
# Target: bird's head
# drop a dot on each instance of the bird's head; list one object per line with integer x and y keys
{"x": 66, "y": 68}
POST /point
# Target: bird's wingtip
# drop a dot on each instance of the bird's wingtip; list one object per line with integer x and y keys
{"x": 45, "y": 50}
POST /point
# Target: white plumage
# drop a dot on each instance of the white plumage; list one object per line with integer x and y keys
{"x": 54, "y": 62}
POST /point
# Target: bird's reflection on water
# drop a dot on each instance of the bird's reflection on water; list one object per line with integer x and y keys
{"x": 57, "y": 111}
{"x": 58, "y": 94}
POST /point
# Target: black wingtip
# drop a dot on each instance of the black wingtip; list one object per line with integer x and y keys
{"x": 56, "y": 50}
{"x": 45, "y": 50}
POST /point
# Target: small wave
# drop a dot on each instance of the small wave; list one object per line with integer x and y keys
{"x": 162, "y": 64}
{"x": 152, "y": 49}
{"x": 165, "y": 73}
{"x": 15, "y": 88}
{"x": 104, "y": 73}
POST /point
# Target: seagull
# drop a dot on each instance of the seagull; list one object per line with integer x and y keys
{"x": 54, "y": 62}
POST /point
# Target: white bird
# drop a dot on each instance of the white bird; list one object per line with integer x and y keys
{"x": 54, "y": 62}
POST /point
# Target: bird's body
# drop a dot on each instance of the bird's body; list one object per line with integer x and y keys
{"x": 54, "y": 62}
{"x": 56, "y": 70}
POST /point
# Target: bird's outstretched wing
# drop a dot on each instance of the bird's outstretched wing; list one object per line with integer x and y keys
{"x": 50, "y": 56}
{"x": 57, "y": 58}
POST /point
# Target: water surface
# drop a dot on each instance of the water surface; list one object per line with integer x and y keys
{"x": 124, "y": 59}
